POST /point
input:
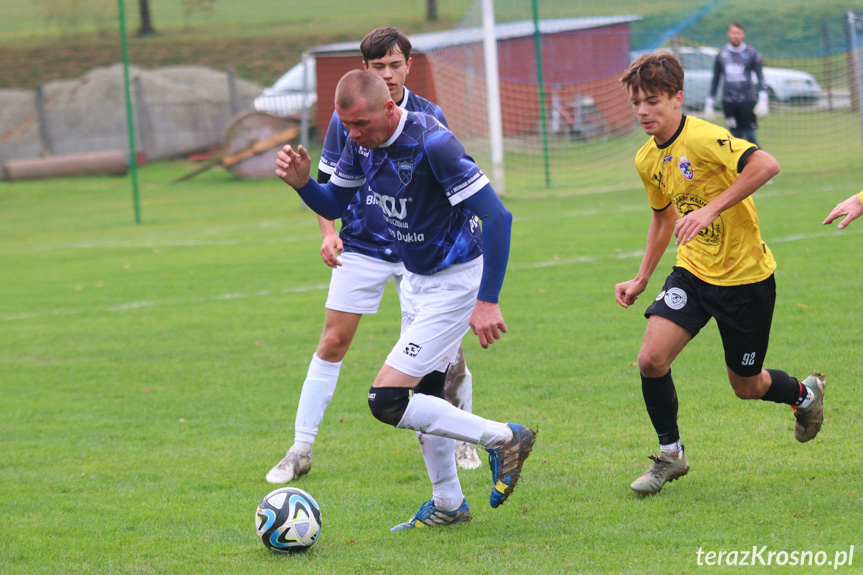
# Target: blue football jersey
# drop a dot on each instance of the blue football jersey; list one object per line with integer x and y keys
{"x": 416, "y": 181}
{"x": 363, "y": 232}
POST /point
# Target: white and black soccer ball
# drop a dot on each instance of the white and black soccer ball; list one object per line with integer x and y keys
{"x": 288, "y": 519}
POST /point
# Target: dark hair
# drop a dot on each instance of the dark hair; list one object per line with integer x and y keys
{"x": 381, "y": 41}
{"x": 736, "y": 25}
{"x": 660, "y": 72}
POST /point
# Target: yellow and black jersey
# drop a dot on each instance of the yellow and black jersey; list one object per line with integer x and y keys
{"x": 700, "y": 162}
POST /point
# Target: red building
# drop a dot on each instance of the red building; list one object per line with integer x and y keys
{"x": 582, "y": 59}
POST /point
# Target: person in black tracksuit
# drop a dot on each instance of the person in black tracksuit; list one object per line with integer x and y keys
{"x": 736, "y": 62}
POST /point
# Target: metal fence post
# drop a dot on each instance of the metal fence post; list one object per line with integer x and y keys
{"x": 142, "y": 112}
{"x": 232, "y": 91}
{"x": 47, "y": 148}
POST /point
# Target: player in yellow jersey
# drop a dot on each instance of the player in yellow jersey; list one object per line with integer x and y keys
{"x": 699, "y": 181}
{"x": 852, "y": 208}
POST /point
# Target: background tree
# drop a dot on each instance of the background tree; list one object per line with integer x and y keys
{"x": 431, "y": 10}
{"x": 146, "y": 28}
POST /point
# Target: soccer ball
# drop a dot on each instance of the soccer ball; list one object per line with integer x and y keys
{"x": 288, "y": 519}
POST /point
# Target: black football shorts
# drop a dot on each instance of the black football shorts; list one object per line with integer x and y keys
{"x": 740, "y": 115}
{"x": 743, "y": 314}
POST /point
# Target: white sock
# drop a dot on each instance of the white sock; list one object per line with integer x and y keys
{"x": 436, "y": 416}
{"x": 671, "y": 448}
{"x": 808, "y": 401}
{"x": 439, "y": 456}
{"x": 318, "y": 389}
{"x": 301, "y": 447}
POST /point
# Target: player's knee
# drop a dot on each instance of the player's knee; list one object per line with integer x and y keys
{"x": 333, "y": 346}
{"x": 388, "y": 404}
{"x": 651, "y": 365}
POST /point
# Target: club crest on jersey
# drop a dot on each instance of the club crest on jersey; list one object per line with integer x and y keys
{"x": 405, "y": 172}
{"x": 686, "y": 168}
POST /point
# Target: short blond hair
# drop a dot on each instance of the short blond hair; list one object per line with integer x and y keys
{"x": 360, "y": 85}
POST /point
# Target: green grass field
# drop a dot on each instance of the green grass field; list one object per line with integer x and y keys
{"x": 150, "y": 375}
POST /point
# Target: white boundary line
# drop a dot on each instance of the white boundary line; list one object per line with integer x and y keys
{"x": 302, "y": 289}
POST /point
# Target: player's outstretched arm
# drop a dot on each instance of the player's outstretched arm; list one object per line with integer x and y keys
{"x": 293, "y": 167}
{"x": 852, "y": 208}
{"x": 658, "y": 236}
{"x": 327, "y": 200}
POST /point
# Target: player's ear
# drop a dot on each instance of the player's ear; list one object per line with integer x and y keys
{"x": 408, "y": 66}
{"x": 365, "y": 66}
{"x": 678, "y": 99}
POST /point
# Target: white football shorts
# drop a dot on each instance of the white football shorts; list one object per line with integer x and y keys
{"x": 437, "y": 310}
{"x": 358, "y": 284}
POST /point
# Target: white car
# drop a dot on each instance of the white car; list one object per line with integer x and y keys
{"x": 294, "y": 90}
{"x": 783, "y": 84}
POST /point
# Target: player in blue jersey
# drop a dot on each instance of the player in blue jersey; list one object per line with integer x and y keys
{"x": 363, "y": 261}
{"x": 736, "y": 63}
{"x": 432, "y": 197}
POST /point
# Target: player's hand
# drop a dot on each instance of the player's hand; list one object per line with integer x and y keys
{"x": 486, "y": 321}
{"x": 293, "y": 167}
{"x": 761, "y": 109}
{"x": 627, "y": 292}
{"x": 691, "y": 225}
{"x": 331, "y": 249}
{"x": 850, "y": 208}
{"x": 708, "y": 109}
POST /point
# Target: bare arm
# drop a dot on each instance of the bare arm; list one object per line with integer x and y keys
{"x": 852, "y": 208}
{"x": 759, "y": 168}
{"x": 658, "y": 236}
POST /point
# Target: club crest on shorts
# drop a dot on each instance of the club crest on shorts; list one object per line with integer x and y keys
{"x": 675, "y": 298}
{"x": 412, "y": 349}
{"x": 685, "y": 168}
{"x": 406, "y": 172}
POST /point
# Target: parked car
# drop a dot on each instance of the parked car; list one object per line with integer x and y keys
{"x": 783, "y": 84}
{"x": 290, "y": 93}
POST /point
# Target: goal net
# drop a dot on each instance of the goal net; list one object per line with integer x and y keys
{"x": 567, "y": 122}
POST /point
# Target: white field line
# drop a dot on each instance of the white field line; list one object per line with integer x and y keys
{"x": 300, "y": 289}
{"x": 671, "y": 250}
{"x": 167, "y": 302}
{"x": 162, "y": 243}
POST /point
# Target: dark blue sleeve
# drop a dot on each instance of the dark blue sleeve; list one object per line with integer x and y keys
{"x": 327, "y": 200}
{"x": 496, "y": 232}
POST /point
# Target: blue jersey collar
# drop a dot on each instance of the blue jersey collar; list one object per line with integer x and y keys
{"x": 399, "y": 129}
